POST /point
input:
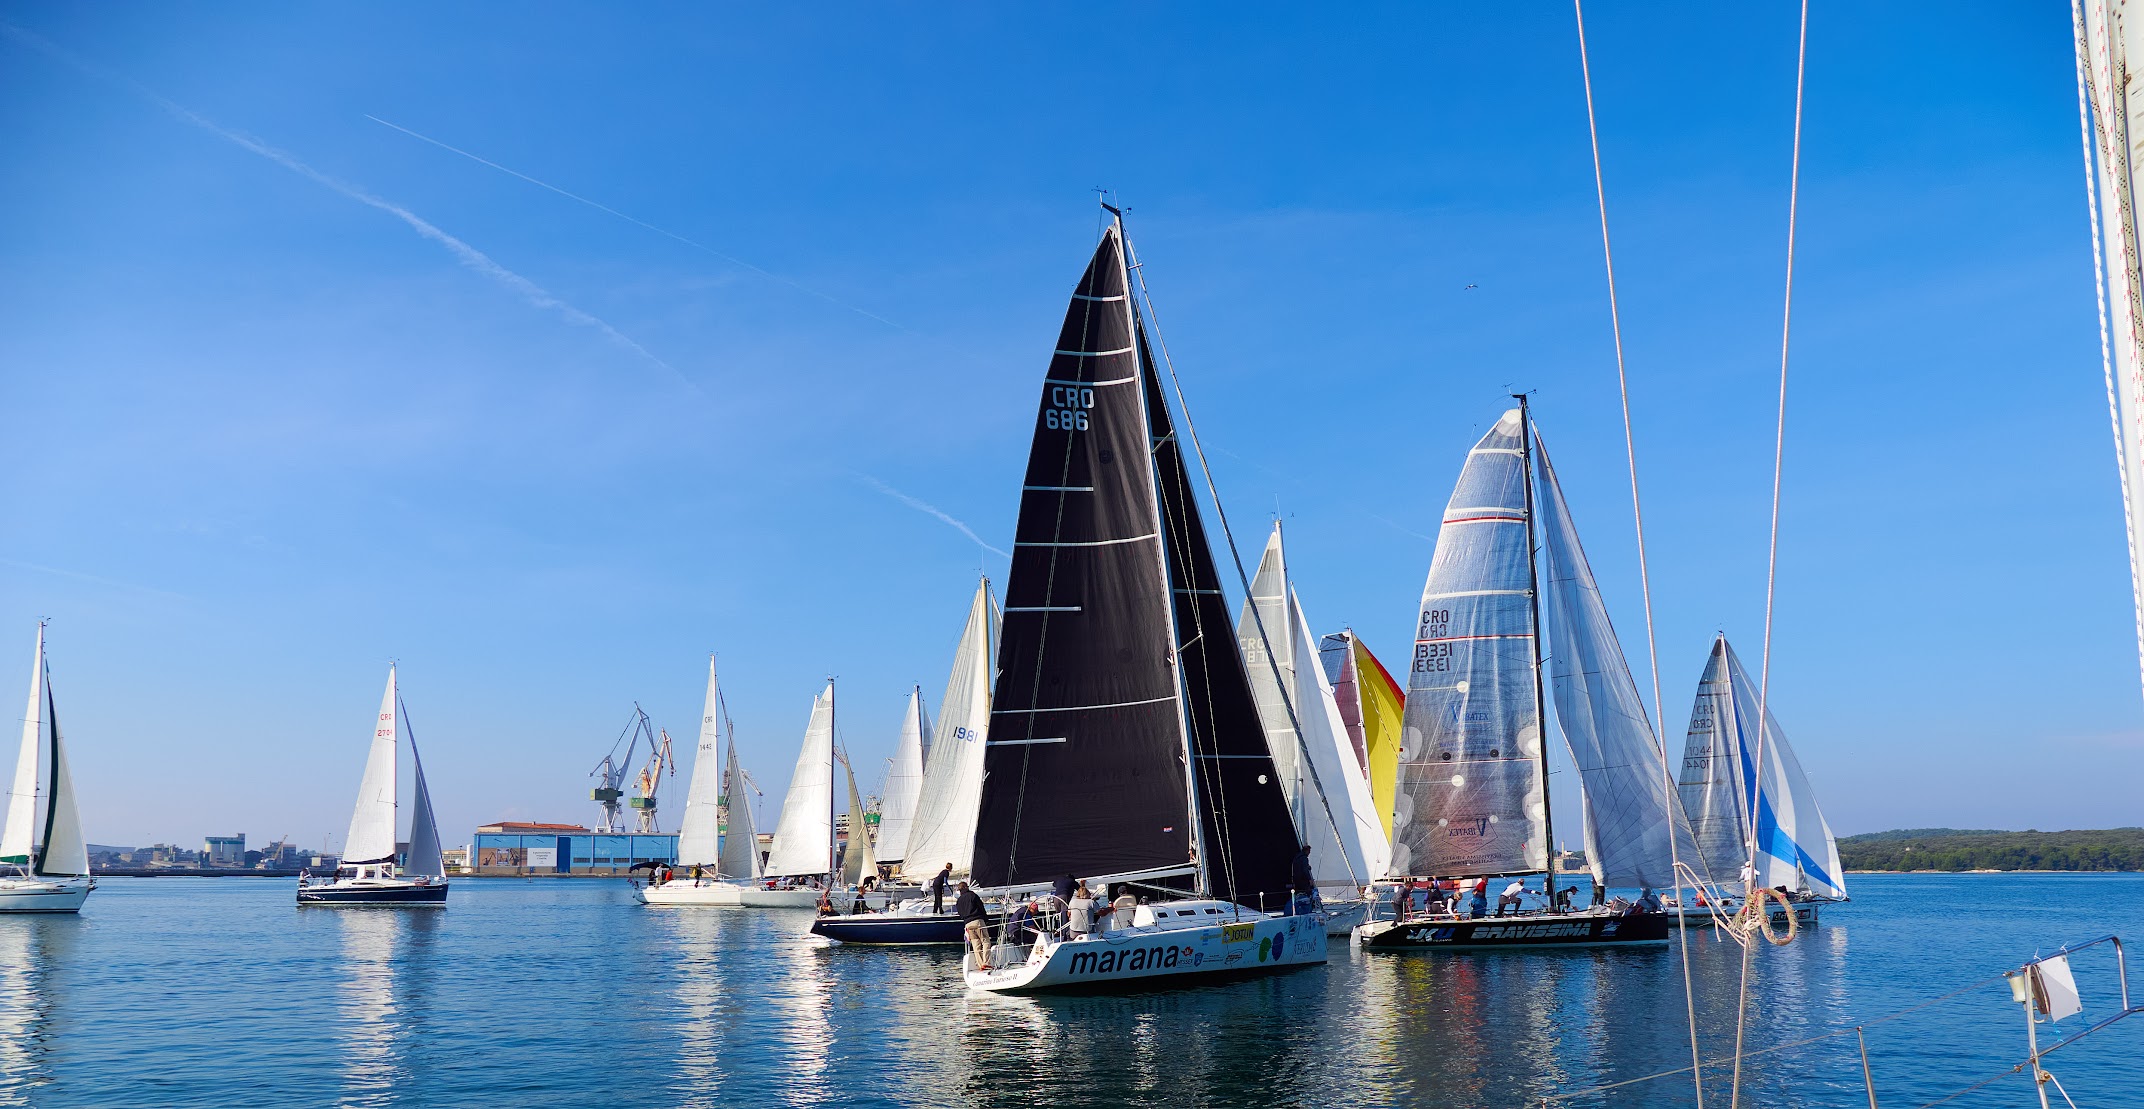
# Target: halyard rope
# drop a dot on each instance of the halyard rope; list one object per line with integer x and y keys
{"x": 1645, "y": 581}
{"x": 1771, "y": 568}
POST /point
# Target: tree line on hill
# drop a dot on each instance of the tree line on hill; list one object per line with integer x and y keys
{"x": 1981, "y": 849}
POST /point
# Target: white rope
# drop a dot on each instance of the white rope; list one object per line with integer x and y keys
{"x": 1771, "y": 568}
{"x": 1645, "y": 580}
{"x": 2106, "y": 350}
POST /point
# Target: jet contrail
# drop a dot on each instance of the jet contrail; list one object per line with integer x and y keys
{"x": 637, "y": 222}
{"x": 934, "y": 510}
{"x": 468, "y": 255}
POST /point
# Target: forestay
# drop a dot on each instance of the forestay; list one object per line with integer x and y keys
{"x": 1630, "y": 813}
{"x": 1468, "y": 797}
{"x": 944, "y": 827}
{"x": 698, "y": 833}
{"x": 371, "y": 838}
{"x": 804, "y": 837}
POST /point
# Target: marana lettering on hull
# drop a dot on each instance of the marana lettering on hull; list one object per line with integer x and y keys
{"x": 1112, "y": 962}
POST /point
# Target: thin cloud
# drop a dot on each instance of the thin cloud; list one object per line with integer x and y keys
{"x": 93, "y": 579}
{"x": 637, "y": 222}
{"x": 467, "y": 255}
{"x": 923, "y": 506}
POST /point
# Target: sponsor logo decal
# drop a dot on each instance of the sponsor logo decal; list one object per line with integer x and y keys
{"x": 1237, "y": 933}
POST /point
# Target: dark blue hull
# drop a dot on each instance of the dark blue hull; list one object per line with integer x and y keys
{"x": 432, "y": 895}
{"x": 892, "y": 928}
{"x": 1531, "y": 931}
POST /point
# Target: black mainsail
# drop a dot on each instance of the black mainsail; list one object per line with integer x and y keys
{"x": 1244, "y": 823}
{"x": 1083, "y": 770}
{"x": 1117, "y": 659}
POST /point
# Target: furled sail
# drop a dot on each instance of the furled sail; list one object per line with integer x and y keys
{"x": 372, "y": 823}
{"x": 2107, "y": 34}
{"x": 25, "y": 801}
{"x": 699, "y": 832}
{"x": 425, "y": 857}
{"x": 904, "y": 782}
{"x": 1244, "y": 824}
{"x": 944, "y": 827}
{"x": 1468, "y": 800}
{"x": 740, "y": 834}
{"x": 1723, "y": 771}
{"x": 1630, "y": 811}
{"x": 1083, "y": 768}
{"x": 858, "y": 858}
{"x": 1268, "y": 604}
{"x": 804, "y": 837}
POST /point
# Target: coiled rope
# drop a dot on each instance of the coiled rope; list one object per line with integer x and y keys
{"x": 1771, "y": 568}
{"x": 1637, "y": 511}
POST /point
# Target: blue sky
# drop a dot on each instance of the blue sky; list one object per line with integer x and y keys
{"x": 290, "y": 392}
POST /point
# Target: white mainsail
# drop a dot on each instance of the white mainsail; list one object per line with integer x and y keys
{"x": 2107, "y": 33}
{"x": 1337, "y": 809}
{"x": 1630, "y": 811}
{"x": 740, "y": 834}
{"x": 944, "y": 827}
{"x": 904, "y": 782}
{"x": 426, "y": 860}
{"x": 699, "y": 832}
{"x": 1267, "y": 605}
{"x": 804, "y": 837}
{"x": 1468, "y": 799}
{"x": 858, "y": 858}
{"x": 18, "y": 840}
{"x": 372, "y": 822}
{"x": 1723, "y": 772}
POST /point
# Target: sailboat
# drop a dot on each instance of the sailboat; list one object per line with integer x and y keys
{"x": 942, "y": 833}
{"x": 1124, "y": 743}
{"x": 1372, "y": 705}
{"x": 1726, "y": 782}
{"x": 701, "y": 850}
{"x": 1325, "y": 780}
{"x": 46, "y": 861}
{"x": 804, "y": 834}
{"x": 1472, "y": 795}
{"x": 369, "y": 874}
{"x": 904, "y": 782}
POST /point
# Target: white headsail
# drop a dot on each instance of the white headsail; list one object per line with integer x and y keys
{"x": 1630, "y": 810}
{"x": 944, "y": 827}
{"x": 904, "y": 782}
{"x": 425, "y": 857}
{"x": 1267, "y": 605}
{"x": 2107, "y": 33}
{"x": 372, "y": 823}
{"x": 24, "y": 798}
{"x": 858, "y": 858}
{"x": 698, "y": 833}
{"x": 804, "y": 837}
{"x": 1337, "y": 809}
{"x": 1723, "y": 772}
{"x": 740, "y": 833}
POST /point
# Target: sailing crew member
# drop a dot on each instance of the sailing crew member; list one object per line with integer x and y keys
{"x": 975, "y": 924}
{"x": 1511, "y": 897}
{"x": 1080, "y": 914}
{"x": 939, "y": 882}
{"x": 1064, "y": 886}
{"x": 1304, "y": 883}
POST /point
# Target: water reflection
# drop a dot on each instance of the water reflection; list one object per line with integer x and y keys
{"x": 33, "y": 957}
{"x": 382, "y": 1000}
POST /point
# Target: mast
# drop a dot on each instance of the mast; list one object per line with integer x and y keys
{"x": 833, "y": 869}
{"x": 1203, "y": 879}
{"x": 1533, "y": 605}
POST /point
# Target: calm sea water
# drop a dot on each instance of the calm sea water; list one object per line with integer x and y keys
{"x": 178, "y": 991}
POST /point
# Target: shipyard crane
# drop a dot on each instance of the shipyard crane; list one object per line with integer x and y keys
{"x": 651, "y": 776}
{"x": 610, "y": 773}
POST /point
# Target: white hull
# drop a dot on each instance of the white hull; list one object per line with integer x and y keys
{"x": 31, "y": 895}
{"x": 740, "y": 895}
{"x": 1342, "y": 917}
{"x": 1161, "y": 949}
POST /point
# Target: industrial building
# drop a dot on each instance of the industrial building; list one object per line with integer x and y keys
{"x": 508, "y": 849}
{"x": 224, "y": 851}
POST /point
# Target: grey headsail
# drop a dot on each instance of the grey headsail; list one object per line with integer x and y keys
{"x": 1083, "y": 769}
{"x": 1246, "y": 829}
{"x": 1469, "y": 796}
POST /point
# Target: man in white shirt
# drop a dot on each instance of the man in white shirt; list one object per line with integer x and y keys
{"x": 1510, "y": 896}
